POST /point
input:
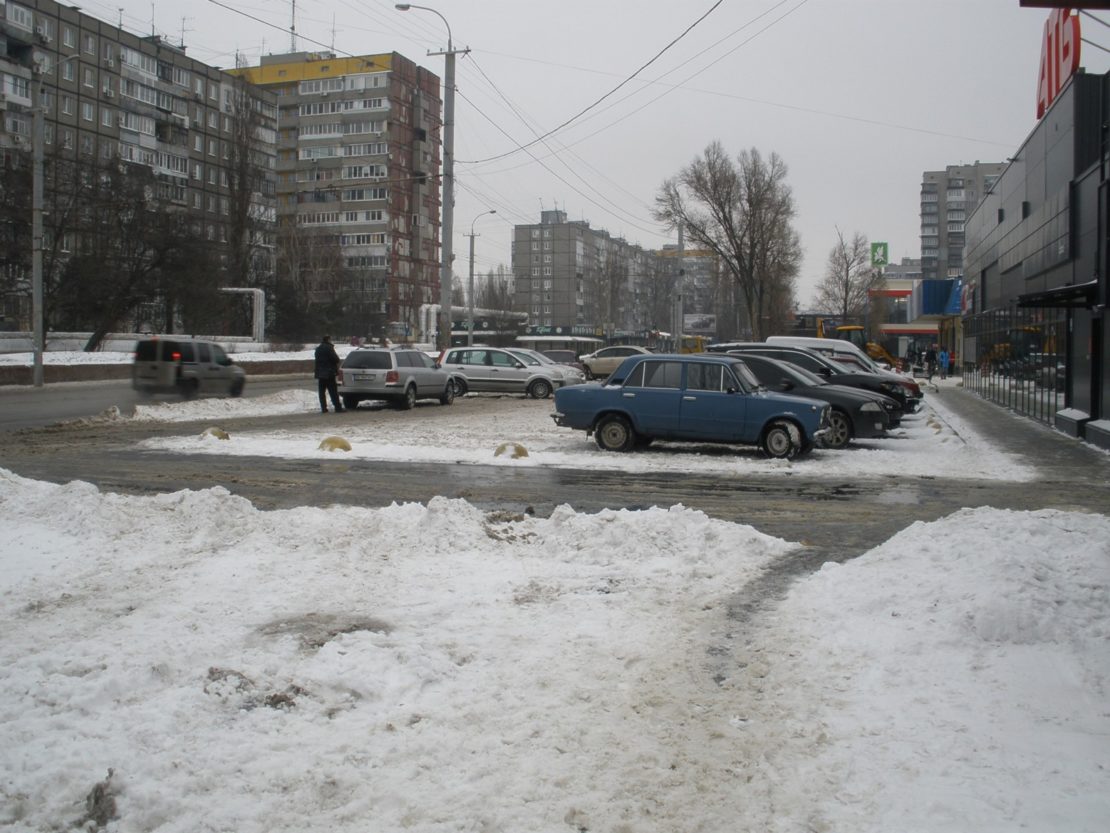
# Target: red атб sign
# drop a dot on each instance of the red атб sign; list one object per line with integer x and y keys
{"x": 1059, "y": 56}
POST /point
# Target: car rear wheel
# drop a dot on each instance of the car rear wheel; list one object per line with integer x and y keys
{"x": 350, "y": 402}
{"x": 188, "y": 388}
{"x": 409, "y": 401}
{"x": 448, "y": 395}
{"x": 540, "y": 389}
{"x": 614, "y": 433}
{"x": 840, "y": 430}
{"x": 779, "y": 441}
{"x": 237, "y": 387}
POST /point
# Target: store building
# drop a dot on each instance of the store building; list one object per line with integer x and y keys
{"x": 1037, "y": 259}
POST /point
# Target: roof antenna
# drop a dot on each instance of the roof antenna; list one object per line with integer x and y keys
{"x": 293, "y": 28}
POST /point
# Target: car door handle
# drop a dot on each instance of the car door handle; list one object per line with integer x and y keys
{"x": 689, "y": 399}
{"x": 629, "y": 395}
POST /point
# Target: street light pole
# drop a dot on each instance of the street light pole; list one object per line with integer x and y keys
{"x": 447, "y": 222}
{"x": 470, "y": 283}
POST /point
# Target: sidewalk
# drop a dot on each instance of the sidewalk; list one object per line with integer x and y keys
{"x": 1059, "y": 457}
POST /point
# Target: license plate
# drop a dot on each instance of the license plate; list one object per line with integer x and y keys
{"x": 364, "y": 377}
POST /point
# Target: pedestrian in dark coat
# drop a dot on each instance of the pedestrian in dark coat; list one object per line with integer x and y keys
{"x": 327, "y": 371}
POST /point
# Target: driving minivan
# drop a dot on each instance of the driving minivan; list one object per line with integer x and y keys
{"x": 185, "y": 366}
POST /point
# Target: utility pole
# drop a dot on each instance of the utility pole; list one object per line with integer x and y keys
{"x": 680, "y": 282}
{"x": 447, "y": 224}
{"x": 470, "y": 283}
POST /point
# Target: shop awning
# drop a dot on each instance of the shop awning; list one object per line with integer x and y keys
{"x": 1073, "y": 295}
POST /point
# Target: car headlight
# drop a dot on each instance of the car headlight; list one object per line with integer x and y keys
{"x": 870, "y": 408}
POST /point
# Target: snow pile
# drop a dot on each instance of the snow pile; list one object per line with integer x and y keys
{"x": 435, "y": 668}
{"x": 959, "y": 679}
{"x": 413, "y": 667}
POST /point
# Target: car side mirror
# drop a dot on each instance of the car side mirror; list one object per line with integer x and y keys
{"x": 786, "y": 385}
{"x": 824, "y": 371}
{"x": 520, "y": 365}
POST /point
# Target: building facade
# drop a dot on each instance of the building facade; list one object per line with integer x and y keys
{"x": 110, "y": 95}
{"x": 358, "y": 163}
{"x": 574, "y": 280}
{"x": 947, "y": 199}
{"x": 1038, "y": 257}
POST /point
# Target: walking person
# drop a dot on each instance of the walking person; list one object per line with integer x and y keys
{"x": 942, "y": 363}
{"x": 326, "y": 372}
{"x": 930, "y": 362}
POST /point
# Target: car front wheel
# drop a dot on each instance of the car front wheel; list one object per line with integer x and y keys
{"x": 779, "y": 441}
{"x": 614, "y": 433}
{"x": 840, "y": 430}
{"x": 460, "y": 387}
{"x": 448, "y": 395}
{"x": 237, "y": 387}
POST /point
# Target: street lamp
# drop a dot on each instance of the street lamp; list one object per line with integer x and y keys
{"x": 447, "y": 223}
{"x": 470, "y": 283}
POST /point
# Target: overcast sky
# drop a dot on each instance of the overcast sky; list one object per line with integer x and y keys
{"x": 859, "y": 97}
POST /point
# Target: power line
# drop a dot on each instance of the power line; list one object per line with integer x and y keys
{"x": 627, "y": 80}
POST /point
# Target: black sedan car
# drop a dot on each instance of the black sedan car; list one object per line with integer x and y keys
{"x": 906, "y": 394}
{"x": 855, "y": 413}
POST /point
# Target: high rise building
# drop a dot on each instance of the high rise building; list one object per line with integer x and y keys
{"x": 108, "y": 95}
{"x": 358, "y": 163}
{"x": 582, "y": 281}
{"x": 947, "y": 199}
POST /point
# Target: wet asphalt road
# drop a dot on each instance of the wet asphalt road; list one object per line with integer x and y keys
{"x": 836, "y": 518}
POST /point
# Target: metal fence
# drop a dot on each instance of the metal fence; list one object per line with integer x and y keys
{"x": 1015, "y": 357}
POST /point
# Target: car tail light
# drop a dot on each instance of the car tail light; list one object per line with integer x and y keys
{"x": 175, "y": 356}
{"x": 339, "y": 377}
{"x": 392, "y": 377}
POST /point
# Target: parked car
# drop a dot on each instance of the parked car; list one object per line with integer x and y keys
{"x": 188, "y": 367}
{"x": 901, "y": 388}
{"x": 601, "y": 363}
{"x": 691, "y": 397}
{"x": 567, "y": 357}
{"x": 855, "y": 414}
{"x": 571, "y": 375}
{"x": 397, "y": 375}
{"x": 498, "y": 370}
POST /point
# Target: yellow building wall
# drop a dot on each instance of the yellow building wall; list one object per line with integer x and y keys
{"x": 310, "y": 70}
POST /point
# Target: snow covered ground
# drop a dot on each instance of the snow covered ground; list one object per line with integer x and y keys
{"x": 440, "y": 668}
{"x": 932, "y": 443}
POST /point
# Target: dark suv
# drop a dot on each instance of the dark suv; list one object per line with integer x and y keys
{"x": 399, "y": 375}
{"x": 185, "y": 366}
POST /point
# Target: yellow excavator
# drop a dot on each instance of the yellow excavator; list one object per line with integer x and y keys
{"x": 854, "y": 333}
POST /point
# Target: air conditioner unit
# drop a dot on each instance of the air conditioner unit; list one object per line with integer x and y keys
{"x": 122, "y": 120}
{"x": 109, "y": 94}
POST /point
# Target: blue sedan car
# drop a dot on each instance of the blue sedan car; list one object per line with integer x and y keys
{"x": 698, "y": 398}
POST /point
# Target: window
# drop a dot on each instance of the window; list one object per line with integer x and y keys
{"x": 68, "y": 37}
{"x": 87, "y": 110}
{"x": 656, "y": 375}
{"x": 706, "y": 377}
{"x": 88, "y": 45}
{"x": 68, "y": 71}
{"x": 106, "y": 116}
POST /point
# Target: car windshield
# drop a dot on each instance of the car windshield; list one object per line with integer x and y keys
{"x": 746, "y": 377}
{"x": 801, "y": 376}
{"x": 528, "y": 357}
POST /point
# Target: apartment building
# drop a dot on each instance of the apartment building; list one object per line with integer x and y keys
{"x": 108, "y": 94}
{"x": 948, "y": 198}
{"x": 358, "y": 161}
{"x": 582, "y": 281}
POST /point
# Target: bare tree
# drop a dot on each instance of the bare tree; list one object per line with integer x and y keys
{"x": 495, "y": 295}
{"x": 843, "y": 291}
{"x": 251, "y": 212}
{"x": 743, "y": 212}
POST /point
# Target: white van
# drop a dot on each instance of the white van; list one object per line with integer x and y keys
{"x": 832, "y": 347}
